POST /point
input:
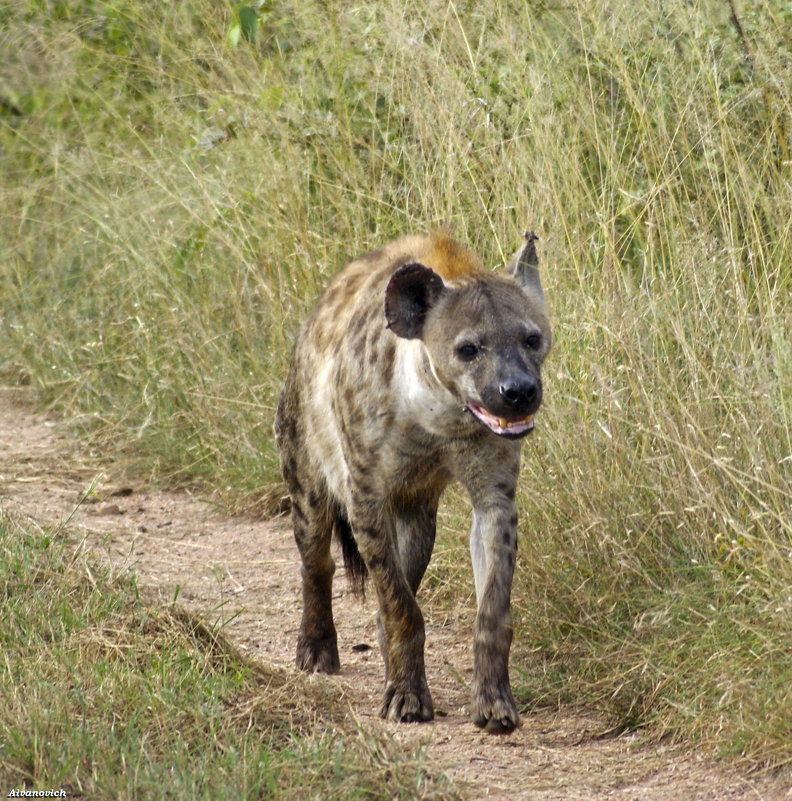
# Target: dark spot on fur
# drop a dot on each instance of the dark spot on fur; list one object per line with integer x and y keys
{"x": 313, "y": 500}
{"x": 373, "y": 314}
{"x": 506, "y": 489}
{"x": 287, "y": 428}
{"x": 376, "y": 563}
{"x": 363, "y": 491}
{"x": 359, "y": 346}
{"x": 351, "y": 284}
{"x": 358, "y": 466}
{"x": 356, "y": 417}
{"x": 388, "y": 360}
{"x": 300, "y": 535}
{"x": 290, "y": 476}
{"x": 359, "y": 324}
{"x": 353, "y": 415}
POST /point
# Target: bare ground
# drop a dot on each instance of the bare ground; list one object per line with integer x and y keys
{"x": 246, "y": 572}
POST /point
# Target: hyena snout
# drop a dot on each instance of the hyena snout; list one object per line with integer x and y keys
{"x": 509, "y": 404}
{"x": 521, "y": 394}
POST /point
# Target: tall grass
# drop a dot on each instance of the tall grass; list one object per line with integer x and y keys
{"x": 172, "y": 204}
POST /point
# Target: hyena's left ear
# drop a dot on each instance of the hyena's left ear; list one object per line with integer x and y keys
{"x": 525, "y": 268}
{"x": 412, "y": 290}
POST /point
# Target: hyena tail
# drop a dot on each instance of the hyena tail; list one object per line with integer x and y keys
{"x": 353, "y": 562}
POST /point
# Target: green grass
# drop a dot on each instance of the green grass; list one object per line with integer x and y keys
{"x": 171, "y": 205}
{"x": 108, "y": 697}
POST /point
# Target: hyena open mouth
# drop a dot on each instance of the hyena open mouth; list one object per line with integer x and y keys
{"x": 516, "y": 427}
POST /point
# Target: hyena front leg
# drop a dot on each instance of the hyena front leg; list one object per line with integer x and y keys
{"x": 401, "y": 623}
{"x": 493, "y": 543}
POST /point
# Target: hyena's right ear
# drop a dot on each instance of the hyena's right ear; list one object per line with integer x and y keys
{"x": 412, "y": 290}
{"x": 525, "y": 268}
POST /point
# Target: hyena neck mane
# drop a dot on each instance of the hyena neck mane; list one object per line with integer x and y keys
{"x": 449, "y": 259}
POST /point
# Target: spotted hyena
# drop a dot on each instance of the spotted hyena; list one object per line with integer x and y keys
{"x": 417, "y": 367}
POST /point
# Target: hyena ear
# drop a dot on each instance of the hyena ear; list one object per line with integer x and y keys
{"x": 412, "y": 290}
{"x": 525, "y": 267}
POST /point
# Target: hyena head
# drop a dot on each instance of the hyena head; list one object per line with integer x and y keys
{"x": 485, "y": 336}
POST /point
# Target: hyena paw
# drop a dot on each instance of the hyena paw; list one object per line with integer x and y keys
{"x": 318, "y": 655}
{"x": 493, "y": 710}
{"x": 407, "y": 704}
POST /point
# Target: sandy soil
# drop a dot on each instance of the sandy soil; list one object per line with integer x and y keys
{"x": 246, "y": 572}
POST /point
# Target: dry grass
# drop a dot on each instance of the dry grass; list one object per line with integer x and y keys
{"x": 108, "y": 696}
{"x": 171, "y": 206}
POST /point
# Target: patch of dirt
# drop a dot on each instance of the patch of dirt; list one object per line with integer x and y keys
{"x": 246, "y": 573}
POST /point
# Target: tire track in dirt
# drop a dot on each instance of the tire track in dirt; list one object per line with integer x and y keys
{"x": 245, "y": 573}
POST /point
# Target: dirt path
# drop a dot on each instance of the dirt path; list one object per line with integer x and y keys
{"x": 221, "y": 565}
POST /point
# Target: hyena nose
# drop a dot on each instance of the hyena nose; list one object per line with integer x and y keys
{"x": 521, "y": 394}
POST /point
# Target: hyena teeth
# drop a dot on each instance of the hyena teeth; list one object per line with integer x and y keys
{"x": 501, "y": 424}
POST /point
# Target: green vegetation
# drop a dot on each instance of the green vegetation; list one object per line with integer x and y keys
{"x": 106, "y": 697}
{"x": 178, "y": 182}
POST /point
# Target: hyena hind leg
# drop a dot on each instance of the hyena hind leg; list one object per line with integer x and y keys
{"x": 317, "y": 642}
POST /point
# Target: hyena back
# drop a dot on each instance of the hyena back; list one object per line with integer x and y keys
{"x": 416, "y": 368}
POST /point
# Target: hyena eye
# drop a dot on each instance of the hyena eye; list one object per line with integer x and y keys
{"x": 467, "y": 351}
{"x": 533, "y": 341}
